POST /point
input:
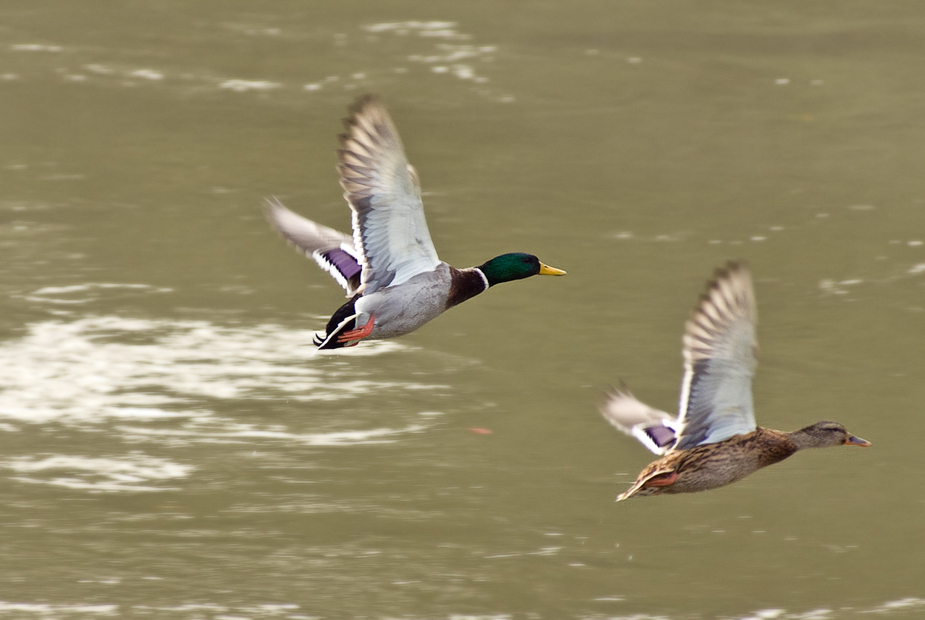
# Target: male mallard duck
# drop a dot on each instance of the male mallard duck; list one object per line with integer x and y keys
{"x": 714, "y": 441}
{"x": 389, "y": 267}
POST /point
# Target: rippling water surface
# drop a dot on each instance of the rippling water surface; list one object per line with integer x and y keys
{"x": 171, "y": 447}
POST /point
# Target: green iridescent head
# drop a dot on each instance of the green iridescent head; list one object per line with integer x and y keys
{"x": 515, "y": 266}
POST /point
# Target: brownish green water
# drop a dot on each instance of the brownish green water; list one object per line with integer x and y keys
{"x": 170, "y": 447}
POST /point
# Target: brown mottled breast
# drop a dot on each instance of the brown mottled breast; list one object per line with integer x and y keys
{"x": 464, "y": 284}
{"x": 773, "y": 446}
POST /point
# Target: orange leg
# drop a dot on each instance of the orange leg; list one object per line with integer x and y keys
{"x": 663, "y": 480}
{"x": 358, "y": 334}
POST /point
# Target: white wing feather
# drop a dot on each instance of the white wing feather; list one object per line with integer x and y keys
{"x": 654, "y": 429}
{"x": 316, "y": 241}
{"x": 389, "y": 229}
{"x": 719, "y": 362}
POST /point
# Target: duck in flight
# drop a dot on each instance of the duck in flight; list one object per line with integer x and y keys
{"x": 389, "y": 267}
{"x": 714, "y": 441}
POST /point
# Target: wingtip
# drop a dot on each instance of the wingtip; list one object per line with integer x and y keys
{"x": 622, "y": 390}
{"x": 360, "y": 104}
{"x": 270, "y": 207}
{"x": 731, "y": 270}
{"x": 271, "y": 204}
{"x": 363, "y": 106}
{"x": 370, "y": 131}
{"x": 731, "y": 267}
{"x": 730, "y": 284}
{"x": 612, "y": 393}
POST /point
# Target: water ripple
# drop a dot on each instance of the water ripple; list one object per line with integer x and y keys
{"x": 128, "y": 473}
{"x": 99, "y": 368}
{"x": 441, "y": 45}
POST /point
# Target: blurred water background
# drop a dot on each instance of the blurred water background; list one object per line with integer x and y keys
{"x": 170, "y": 447}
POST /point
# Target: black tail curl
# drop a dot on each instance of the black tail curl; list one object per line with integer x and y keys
{"x": 344, "y": 319}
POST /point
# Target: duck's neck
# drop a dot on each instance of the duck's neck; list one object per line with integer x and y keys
{"x": 771, "y": 446}
{"x": 819, "y": 435}
{"x": 802, "y": 440}
{"x": 465, "y": 284}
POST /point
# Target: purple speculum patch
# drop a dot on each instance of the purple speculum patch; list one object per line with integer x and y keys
{"x": 343, "y": 262}
{"x": 661, "y": 435}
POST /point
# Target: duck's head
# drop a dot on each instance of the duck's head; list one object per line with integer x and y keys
{"x": 515, "y": 266}
{"x": 825, "y": 435}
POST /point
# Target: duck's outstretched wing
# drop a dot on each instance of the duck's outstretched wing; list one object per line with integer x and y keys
{"x": 719, "y": 361}
{"x": 332, "y": 250}
{"x": 389, "y": 229}
{"x": 654, "y": 429}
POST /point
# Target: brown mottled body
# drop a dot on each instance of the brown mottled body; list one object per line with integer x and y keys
{"x": 714, "y": 440}
{"x": 715, "y": 465}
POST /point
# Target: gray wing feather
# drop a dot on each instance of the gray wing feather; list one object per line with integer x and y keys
{"x": 389, "y": 229}
{"x": 314, "y": 241}
{"x": 719, "y": 362}
{"x": 654, "y": 429}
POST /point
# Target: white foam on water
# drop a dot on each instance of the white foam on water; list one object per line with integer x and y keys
{"x": 816, "y": 614}
{"x": 132, "y": 472}
{"x": 35, "y": 47}
{"x": 764, "y": 614}
{"x": 49, "y": 610}
{"x": 452, "y": 54}
{"x": 897, "y": 605}
{"x": 240, "y": 86}
{"x": 247, "y": 431}
{"x": 446, "y": 58}
{"x": 96, "y": 369}
{"x": 99, "y": 69}
{"x": 266, "y": 610}
{"x": 432, "y": 26}
{"x": 91, "y": 291}
{"x": 434, "y": 42}
{"x": 291, "y": 610}
{"x": 147, "y": 74}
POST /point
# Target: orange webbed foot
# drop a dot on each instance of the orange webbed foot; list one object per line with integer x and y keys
{"x": 358, "y": 334}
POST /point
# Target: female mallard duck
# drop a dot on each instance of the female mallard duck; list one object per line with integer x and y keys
{"x": 714, "y": 440}
{"x": 389, "y": 267}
